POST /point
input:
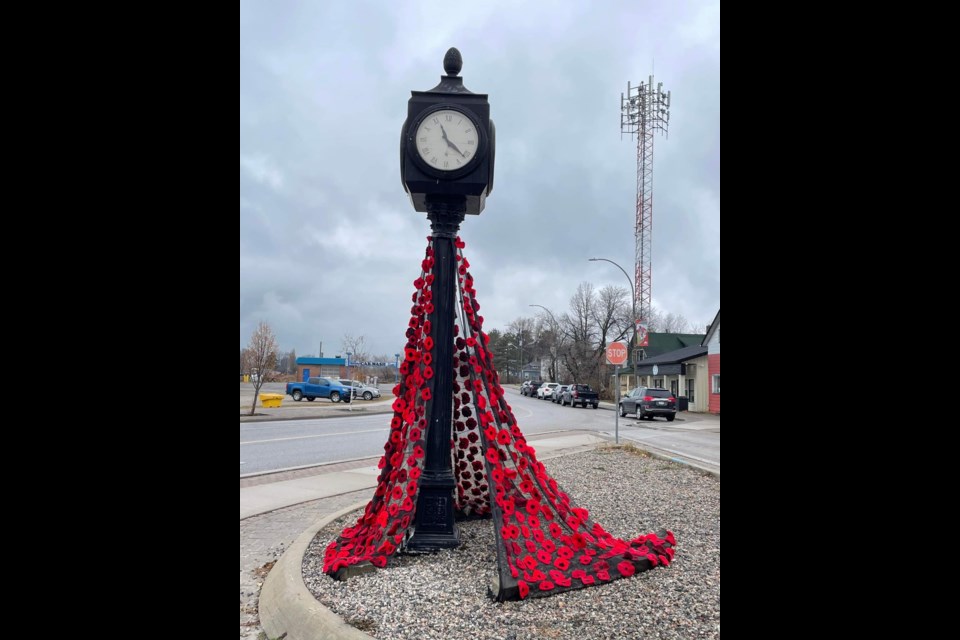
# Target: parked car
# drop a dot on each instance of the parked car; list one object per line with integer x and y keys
{"x": 361, "y": 390}
{"x": 649, "y": 402}
{"x": 580, "y": 394}
{"x": 558, "y": 393}
{"x": 525, "y": 387}
{"x": 318, "y": 387}
{"x": 532, "y": 388}
{"x": 545, "y": 392}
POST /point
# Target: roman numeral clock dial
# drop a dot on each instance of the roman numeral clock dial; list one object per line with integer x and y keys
{"x": 447, "y": 140}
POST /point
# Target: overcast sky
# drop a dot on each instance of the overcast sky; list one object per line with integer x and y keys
{"x": 329, "y": 242}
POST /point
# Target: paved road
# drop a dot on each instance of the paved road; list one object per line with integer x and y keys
{"x": 269, "y": 446}
{"x": 696, "y": 437}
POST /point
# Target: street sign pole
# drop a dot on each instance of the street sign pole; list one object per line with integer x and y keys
{"x": 616, "y": 409}
{"x": 616, "y": 355}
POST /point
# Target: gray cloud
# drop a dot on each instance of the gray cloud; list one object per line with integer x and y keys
{"x": 330, "y": 245}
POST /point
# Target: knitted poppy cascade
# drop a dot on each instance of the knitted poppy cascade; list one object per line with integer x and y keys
{"x": 546, "y": 542}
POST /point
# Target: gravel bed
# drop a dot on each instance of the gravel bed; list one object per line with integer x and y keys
{"x": 443, "y": 596}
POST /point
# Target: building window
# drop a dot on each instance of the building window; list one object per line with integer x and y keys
{"x": 658, "y": 383}
{"x": 691, "y": 384}
{"x": 716, "y": 383}
{"x": 674, "y": 386}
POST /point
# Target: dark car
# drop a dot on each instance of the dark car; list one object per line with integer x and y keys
{"x": 649, "y": 402}
{"x": 580, "y": 394}
{"x": 531, "y": 389}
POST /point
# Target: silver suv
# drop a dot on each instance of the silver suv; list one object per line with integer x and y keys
{"x": 545, "y": 392}
{"x": 361, "y": 390}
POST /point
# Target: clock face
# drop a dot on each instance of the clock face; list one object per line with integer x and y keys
{"x": 447, "y": 140}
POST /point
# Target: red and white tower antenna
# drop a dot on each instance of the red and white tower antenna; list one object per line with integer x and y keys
{"x": 644, "y": 110}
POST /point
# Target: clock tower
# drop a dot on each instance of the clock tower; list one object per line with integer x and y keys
{"x": 447, "y": 143}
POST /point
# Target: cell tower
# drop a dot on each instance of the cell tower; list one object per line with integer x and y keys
{"x": 644, "y": 110}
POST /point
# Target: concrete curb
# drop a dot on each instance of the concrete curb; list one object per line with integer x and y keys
{"x": 673, "y": 458}
{"x": 257, "y": 474}
{"x": 288, "y": 607}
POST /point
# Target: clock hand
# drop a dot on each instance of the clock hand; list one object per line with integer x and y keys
{"x": 450, "y": 144}
{"x": 454, "y": 147}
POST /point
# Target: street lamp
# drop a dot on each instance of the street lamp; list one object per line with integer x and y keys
{"x": 555, "y": 326}
{"x": 520, "y": 341}
{"x": 633, "y": 319}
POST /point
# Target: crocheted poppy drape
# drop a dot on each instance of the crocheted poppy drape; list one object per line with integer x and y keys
{"x": 546, "y": 542}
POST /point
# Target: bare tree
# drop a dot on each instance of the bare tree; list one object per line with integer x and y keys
{"x": 550, "y": 335}
{"x": 525, "y": 342}
{"x": 675, "y": 323}
{"x": 660, "y": 322}
{"x": 357, "y": 348}
{"x": 613, "y": 315}
{"x": 654, "y": 320}
{"x": 384, "y": 373}
{"x": 581, "y": 357}
{"x": 261, "y": 357}
{"x": 288, "y": 362}
{"x": 292, "y": 364}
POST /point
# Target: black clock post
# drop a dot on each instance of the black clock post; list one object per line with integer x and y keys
{"x": 446, "y": 163}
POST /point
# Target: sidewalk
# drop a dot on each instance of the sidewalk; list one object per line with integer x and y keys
{"x": 277, "y": 508}
{"x": 267, "y": 492}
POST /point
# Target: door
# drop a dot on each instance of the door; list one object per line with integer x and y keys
{"x": 306, "y": 374}
{"x": 691, "y": 385}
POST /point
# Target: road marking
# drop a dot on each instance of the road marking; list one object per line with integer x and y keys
{"x": 319, "y": 435}
{"x": 675, "y": 452}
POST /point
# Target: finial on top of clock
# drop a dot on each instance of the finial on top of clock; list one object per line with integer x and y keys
{"x": 453, "y": 61}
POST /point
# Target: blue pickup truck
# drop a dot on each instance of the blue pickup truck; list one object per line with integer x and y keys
{"x": 315, "y": 388}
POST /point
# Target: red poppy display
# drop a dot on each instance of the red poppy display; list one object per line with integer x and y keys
{"x": 548, "y": 543}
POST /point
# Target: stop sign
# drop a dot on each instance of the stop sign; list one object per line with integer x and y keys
{"x": 616, "y": 353}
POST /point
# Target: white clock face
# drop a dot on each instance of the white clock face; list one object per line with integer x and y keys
{"x": 447, "y": 140}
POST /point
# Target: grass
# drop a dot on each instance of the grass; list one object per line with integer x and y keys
{"x": 261, "y": 572}
{"x": 630, "y": 448}
{"x": 363, "y": 624}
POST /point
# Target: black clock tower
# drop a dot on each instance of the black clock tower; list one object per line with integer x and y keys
{"x": 447, "y": 172}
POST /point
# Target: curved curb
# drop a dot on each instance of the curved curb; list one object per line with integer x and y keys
{"x": 678, "y": 459}
{"x": 287, "y": 606}
{"x": 319, "y": 413}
